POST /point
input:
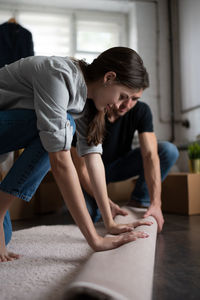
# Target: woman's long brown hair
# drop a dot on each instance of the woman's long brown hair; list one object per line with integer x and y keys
{"x": 96, "y": 126}
{"x": 130, "y": 72}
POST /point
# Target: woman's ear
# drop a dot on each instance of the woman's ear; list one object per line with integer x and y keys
{"x": 109, "y": 77}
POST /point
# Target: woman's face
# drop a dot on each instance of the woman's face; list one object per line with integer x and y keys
{"x": 113, "y": 96}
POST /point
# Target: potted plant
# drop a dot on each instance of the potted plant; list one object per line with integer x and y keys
{"x": 194, "y": 157}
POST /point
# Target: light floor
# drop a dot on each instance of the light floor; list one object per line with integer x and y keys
{"x": 177, "y": 260}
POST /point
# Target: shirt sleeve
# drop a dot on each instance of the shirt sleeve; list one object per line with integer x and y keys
{"x": 51, "y": 97}
{"x": 145, "y": 123}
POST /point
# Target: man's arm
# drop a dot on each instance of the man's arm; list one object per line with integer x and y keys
{"x": 151, "y": 163}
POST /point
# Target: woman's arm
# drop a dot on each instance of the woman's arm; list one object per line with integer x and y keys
{"x": 67, "y": 179}
{"x": 81, "y": 169}
{"x": 79, "y": 163}
{"x": 96, "y": 172}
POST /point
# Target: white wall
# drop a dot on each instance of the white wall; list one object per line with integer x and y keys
{"x": 189, "y": 51}
{"x": 186, "y": 40}
{"x": 153, "y": 46}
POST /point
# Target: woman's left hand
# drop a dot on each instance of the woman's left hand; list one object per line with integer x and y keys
{"x": 116, "y": 210}
{"x": 121, "y": 228}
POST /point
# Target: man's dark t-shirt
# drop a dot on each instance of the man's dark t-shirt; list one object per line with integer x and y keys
{"x": 119, "y": 134}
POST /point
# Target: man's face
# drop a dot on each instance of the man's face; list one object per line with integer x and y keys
{"x": 127, "y": 100}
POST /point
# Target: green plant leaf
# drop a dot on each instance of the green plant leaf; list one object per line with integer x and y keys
{"x": 194, "y": 151}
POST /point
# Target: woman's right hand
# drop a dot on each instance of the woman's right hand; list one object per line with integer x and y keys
{"x": 112, "y": 242}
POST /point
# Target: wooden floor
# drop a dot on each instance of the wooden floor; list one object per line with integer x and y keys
{"x": 177, "y": 261}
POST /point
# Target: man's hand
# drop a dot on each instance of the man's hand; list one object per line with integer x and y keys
{"x": 156, "y": 212}
{"x": 116, "y": 210}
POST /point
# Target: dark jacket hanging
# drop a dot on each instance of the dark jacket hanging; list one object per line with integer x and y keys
{"x": 15, "y": 42}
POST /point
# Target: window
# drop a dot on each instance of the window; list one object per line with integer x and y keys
{"x": 96, "y": 32}
{"x": 83, "y": 35}
{"x": 51, "y": 32}
{"x": 93, "y": 37}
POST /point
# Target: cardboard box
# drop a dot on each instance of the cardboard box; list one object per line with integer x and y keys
{"x": 21, "y": 209}
{"x": 120, "y": 192}
{"x": 47, "y": 199}
{"x": 48, "y": 196}
{"x": 181, "y": 193}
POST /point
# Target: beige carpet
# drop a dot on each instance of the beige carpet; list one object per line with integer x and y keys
{"x": 57, "y": 263}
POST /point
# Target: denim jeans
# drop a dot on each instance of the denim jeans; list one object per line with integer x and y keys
{"x": 131, "y": 165}
{"x": 18, "y": 129}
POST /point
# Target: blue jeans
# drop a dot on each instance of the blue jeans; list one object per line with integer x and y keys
{"x": 18, "y": 129}
{"x": 131, "y": 165}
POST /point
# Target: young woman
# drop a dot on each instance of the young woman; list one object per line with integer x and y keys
{"x": 40, "y": 97}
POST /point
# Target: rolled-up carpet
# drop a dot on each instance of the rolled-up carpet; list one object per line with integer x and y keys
{"x": 125, "y": 273}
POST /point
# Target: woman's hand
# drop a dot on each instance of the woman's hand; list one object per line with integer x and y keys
{"x": 108, "y": 243}
{"x": 116, "y": 210}
{"x": 122, "y": 228}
